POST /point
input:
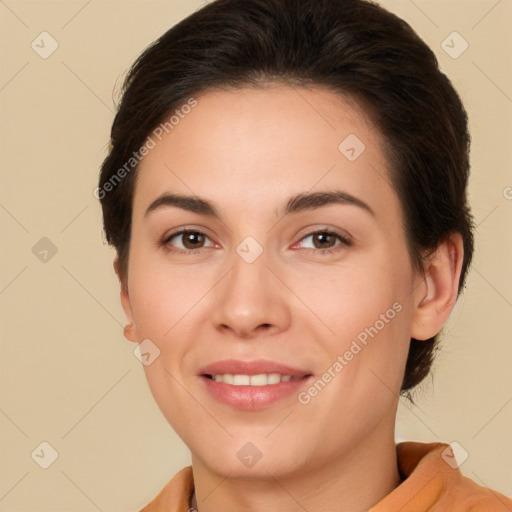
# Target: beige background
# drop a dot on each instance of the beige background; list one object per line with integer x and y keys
{"x": 68, "y": 377}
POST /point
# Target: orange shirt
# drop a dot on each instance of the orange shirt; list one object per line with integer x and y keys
{"x": 430, "y": 485}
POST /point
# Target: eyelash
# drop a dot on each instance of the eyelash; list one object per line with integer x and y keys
{"x": 344, "y": 241}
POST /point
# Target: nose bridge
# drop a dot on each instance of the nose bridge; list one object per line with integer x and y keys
{"x": 249, "y": 275}
{"x": 249, "y": 260}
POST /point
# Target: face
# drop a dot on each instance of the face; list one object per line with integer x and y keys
{"x": 283, "y": 314}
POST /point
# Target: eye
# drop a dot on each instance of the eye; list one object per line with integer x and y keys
{"x": 326, "y": 241}
{"x": 187, "y": 241}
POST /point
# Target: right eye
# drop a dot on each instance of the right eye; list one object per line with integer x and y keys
{"x": 186, "y": 241}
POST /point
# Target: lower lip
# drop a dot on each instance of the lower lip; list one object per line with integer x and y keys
{"x": 253, "y": 397}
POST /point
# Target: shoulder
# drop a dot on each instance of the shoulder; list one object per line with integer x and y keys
{"x": 175, "y": 496}
{"x": 433, "y": 481}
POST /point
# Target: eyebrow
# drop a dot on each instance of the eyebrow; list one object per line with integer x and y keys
{"x": 298, "y": 203}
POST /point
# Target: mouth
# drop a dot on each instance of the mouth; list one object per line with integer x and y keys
{"x": 252, "y": 385}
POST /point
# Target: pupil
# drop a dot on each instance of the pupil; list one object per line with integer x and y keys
{"x": 192, "y": 239}
{"x": 323, "y": 238}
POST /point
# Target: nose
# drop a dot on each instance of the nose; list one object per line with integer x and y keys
{"x": 251, "y": 300}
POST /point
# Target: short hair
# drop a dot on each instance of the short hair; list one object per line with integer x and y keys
{"x": 352, "y": 47}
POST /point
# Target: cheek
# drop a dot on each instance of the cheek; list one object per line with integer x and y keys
{"x": 351, "y": 297}
{"x": 365, "y": 317}
{"x": 164, "y": 295}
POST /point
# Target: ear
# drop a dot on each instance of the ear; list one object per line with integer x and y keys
{"x": 130, "y": 332}
{"x": 437, "y": 294}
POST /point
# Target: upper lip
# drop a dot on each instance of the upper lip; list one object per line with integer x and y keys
{"x": 256, "y": 367}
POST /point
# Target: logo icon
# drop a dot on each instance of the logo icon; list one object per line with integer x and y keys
{"x": 249, "y": 249}
{"x": 146, "y": 352}
{"x": 44, "y": 250}
{"x": 44, "y": 45}
{"x": 249, "y": 455}
{"x": 454, "y": 455}
{"x": 44, "y": 455}
{"x": 351, "y": 147}
{"x": 454, "y": 45}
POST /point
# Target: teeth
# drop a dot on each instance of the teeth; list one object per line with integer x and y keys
{"x": 260, "y": 380}
{"x": 241, "y": 380}
{"x": 263, "y": 379}
{"x": 273, "y": 378}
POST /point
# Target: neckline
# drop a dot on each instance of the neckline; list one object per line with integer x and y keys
{"x": 401, "y": 474}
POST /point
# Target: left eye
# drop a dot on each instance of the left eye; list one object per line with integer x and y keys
{"x": 325, "y": 240}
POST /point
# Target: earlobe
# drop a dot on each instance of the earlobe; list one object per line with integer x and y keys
{"x": 130, "y": 332}
{"x": 439, "y": 289}
{"x": 116, "y": 267}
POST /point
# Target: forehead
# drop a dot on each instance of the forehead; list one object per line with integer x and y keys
{"x": 267, "y": 142}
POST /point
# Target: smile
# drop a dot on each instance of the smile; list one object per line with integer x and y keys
{"x": 262, "y": 379}
{"x": 252, "y": 385}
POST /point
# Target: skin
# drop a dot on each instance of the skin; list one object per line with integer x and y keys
{"x": 248, "y": 151}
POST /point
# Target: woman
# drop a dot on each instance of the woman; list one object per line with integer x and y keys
{"x": 286, "y": 193}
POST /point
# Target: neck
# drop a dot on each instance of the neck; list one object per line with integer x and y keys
{"x": 355, "y": 481}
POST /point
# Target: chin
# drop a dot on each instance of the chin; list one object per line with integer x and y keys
{"x": 258, "y": 460}
{"x": 261, "y": 470}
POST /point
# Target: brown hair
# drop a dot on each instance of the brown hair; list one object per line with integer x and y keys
{"x": 353, "y": 47}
